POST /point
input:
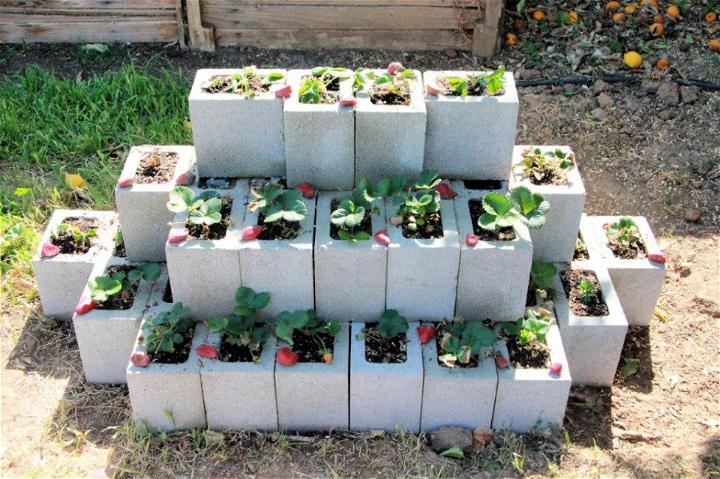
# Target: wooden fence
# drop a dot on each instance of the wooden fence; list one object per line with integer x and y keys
{"x": 294, "y": 24}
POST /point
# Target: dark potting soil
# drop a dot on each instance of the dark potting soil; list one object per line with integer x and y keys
{"x": 231, "y": 353}
{"x": 125, "y": 299}
{"x": 68, "y": 244}
{"x": 215, "y": 231}
{"x": 474, "y": 359}
{"x": 482, "y": 184}
{"x": 533, "y": 355}
{"x": 278, "y": 230}
{"x": 217, "y": 183}
{"x": 636, "y": 249}
{"x": 365, "y": 226}
{"x": 581, "y": 252}
{"x": 381, "y": 95}
{"x": 256, "y": 83}
{"x": 476, "y": 210}
{"x": 549, "y": 177}
{"x": 478, "y": 90}
{"x": 119, "y": 250}
{"x": 530, "y": 297}
{"x": 156, "y": 167}
{"x": 433, "y": 228}
{"x": 309, "y": 347}
{"x": 385, "y": 351}
{"x": 570, "y": 281}
{"x": 181, "y": 354}
{"x": 167, "y": 295}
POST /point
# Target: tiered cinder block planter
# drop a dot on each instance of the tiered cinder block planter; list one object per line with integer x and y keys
{"x": 205, "y": 273}
{"x": 240, "y": 395}
{"x": 422, "y": 273}
{"x": 236, "y": 136}
{"x": 390, "y": 139}
{"x": 493, "y": 274}
{"x": 472, "y": 136}
{"x": 638, "y": 281}
{"x": 476, "y": 385}
{"x": 336, "y": 261}
{"x": 141, "y": 202}
{"x": 315, "y": 396}
{"x": 385, "y": 396}
{"x": 319, "y": 139}
{"x": 555, "y": 241}
{"x": 530, "y": 397}
{"x": 105, "y": 337}
{"x": 61, "y": 277}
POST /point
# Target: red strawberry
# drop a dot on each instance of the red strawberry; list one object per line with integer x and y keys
{"x": 307, "y": 190}
{"x": 431, "y": 90}
{"x": 283, "y": 92}
{"x": 176, "y": 236}
{"x": 348, "y": 101}
{"x": 502, "y": 362}
{"x": 426, "y": 333}
{"x": 49, "y": 250}
{"x": 471, "y": 240}
{"x": 185, "y": 179}
{"x": 140, "y": 360}
{"x": 207, "y": 351}
{"x": 556, "y": 369}
{"x": 125, "y": 182}
{"x": 328, "y": 358}
{"x": 446, "y": 192}
{"x": 394, "y": 67}
{"x": 250, "y": 233}
{"x": 85, "y": 305}
{"x": 657, "y": 257}
{"x": 286, "y": 357}
{"x": 382, "y": 237}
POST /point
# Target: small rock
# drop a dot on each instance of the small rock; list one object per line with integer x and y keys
{"x": 604, "y": 101}
{"x": 451, "y": 53}
{"x": 447, "y": 437}
{"x": 601, "y": 87}
{"x": 598, "y": 114}
{"x": 430, "y": 456}
{"x": 551, "y": 49}
{"x": 668, "y": 114}
{"x": 688, "y": 94}
{"x": 528, "y": 74}
{"x": 693, "y": 215}
{"x": 669, "y": 94}
{"x": 583, "y": 104}
{"x": 482, "y": 436}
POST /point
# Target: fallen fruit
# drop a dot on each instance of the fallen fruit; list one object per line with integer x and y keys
{"x": 673, "y": 12}
{"x": 657, "y": 257}
{"x": 348, "y": 101}
{"x": 431, "y": 90}
{"x": 612, "y": 5}
{"x": 75, "y": 181}
{"x": 714, "y": 44}
{"x": 49, "y": 250}
{"x": 140, "y": 360}
{"x": 425, "y": 333}
{"x": 630, "y": 9}
{"x": 125, "y": 182}
{"x": 85, "y": 305}
{"x": 382, "y": 237}
{"x": 519, "y": 25}
{"x": 250, "y": 233}
{"x": 287, "y": 357}
{"x": 710, "y": 17}
{"x": 185, "y": 179}
{"x": 446, "y": 191}
{"x": 539, "y": 15}
{"x": 394, "y": 67}
{"x": 207, "y": 351}
{"x": 572, "y": 18}
{"x": 451, "y": 53}
{"x": 662, "y": 64}
{"x": 283, "y": 92}
{"x": 307, "y": 190}
{"x": 618, "y": 17}
{"x": 556, "y": 369}
{"x": 654, "y": 3}
{"x": 471, "y": 240}
{"x": 632, "y": 59}
{"x": 511, "y": 39}
{"x": 176, "y": 237}
{"x": 657, "y": 29}
{"x": 502, "y": 362}
{"x": 328, "y": 358}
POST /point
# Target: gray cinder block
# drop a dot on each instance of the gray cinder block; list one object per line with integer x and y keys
{"x": 532, "y": 397}
{"x": 593, "y": 344}
{"x": 336, "y": 261}
{"x": 493, "y": 275}
{"x": 205, "y": 274}
{"x": 315, "y": 396}
{"x": 422, "y": 273}
{"x": 240, "y": 395}
{"x": 105, "y": 337}
{"x": 637, "y": 282}
{"x": 470, "y": 137}
{"x": 319, "y": 139}
{"x": 476, "y": 385}
{"x": 555, "y": 241}
{"x": 62, "y": 278}
{"x": 168, "y": 397}
{"x": 385, "y": 396}
{"x": 283, "y": 268}
{"x": 235, "y": 136}
{"x": 142, "y": 206}
{"x": 390, "y": 139}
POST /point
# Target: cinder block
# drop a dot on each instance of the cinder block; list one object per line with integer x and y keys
{"x": 593, "y": 344}
{"x": 61, "y": 279}
{"x": 470, "y": 137}
{"x": 363, "y": 298}
{"x": 205, "y": 274}
{"x": 390, "y": 139}
{"x": 142, "y": 207}
{"x": 555, "y": 241}
{"x": 476, "y": 385}
{"x": 319, "y": 140}
{"x": 283, "y": 268}
{"x": 493, "y": 275}
{"x": 385, "y": 396}
{"x": 637, "y": 282}
{"x": 105, "y": 337}
{"x": 240, "y": 395}
{"x": 422, "y": 273}
{"x": 168, "y": 397}
{"x": 234, "y": 136}
{"x": 532, "y": 396}
{"x": 315, "y": 396}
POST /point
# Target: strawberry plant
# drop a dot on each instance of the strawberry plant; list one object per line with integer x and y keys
{"x": 492, "y": 83}
{"x": 81, "y": 238}
{"x": 460, "y": 341}
{"x": 203, "y": 209}
{"x": 623, "y": 232}
{"x": 278, "y": 204}
{"x": 541, "y": 276}
{"x": 352, "y": 212}
{"x": 305, "y": 322}
{"x": 246, "y": 83}
{"x": 587, "y": 292}
{"x": 388, "y": 88}
{"x": 422, "y": 203}
{"x": 167, "y": 331}
{"x": 529, "y": 330}
{"x": 121, "y": 282}
{"x": 547, "y": 166}
{"x": 520, "y": 206}
{"x": 321, "y": 85}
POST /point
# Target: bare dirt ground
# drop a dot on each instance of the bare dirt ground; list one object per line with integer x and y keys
{"x": 642, "y": 155}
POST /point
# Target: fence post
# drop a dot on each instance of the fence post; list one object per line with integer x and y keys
{"x": 485, "y": 34}
{"x": 201, "y": 38}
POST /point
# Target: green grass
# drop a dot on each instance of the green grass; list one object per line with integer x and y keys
{"x": 51, "y": 125}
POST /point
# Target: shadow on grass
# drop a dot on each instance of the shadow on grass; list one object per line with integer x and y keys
{"x": 635, "y": 370}
{"x": 588, "y": 418}
{"x": 710, "y": 458}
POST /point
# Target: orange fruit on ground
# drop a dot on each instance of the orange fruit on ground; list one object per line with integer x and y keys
{"x": 539, "y": 15}
{"x": 511, "y": 39}
{"x": 662, "y": 64}
{"x": 711, "y": 17}
{"x": 659, "y": 19}
{"x": 618, "y": 17}
{"x": 612, "y": 5}
{"x": 654, "y": 3}
{"x": 633, "y": 59}
{"x": 572, "y": 18}
{"x": 673, "y": 12}
{"x": 657, "y": 29}
{"x": 714, "y": 44}
{"x": 520, "y": 25}
{"x": 630, "y": 9}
